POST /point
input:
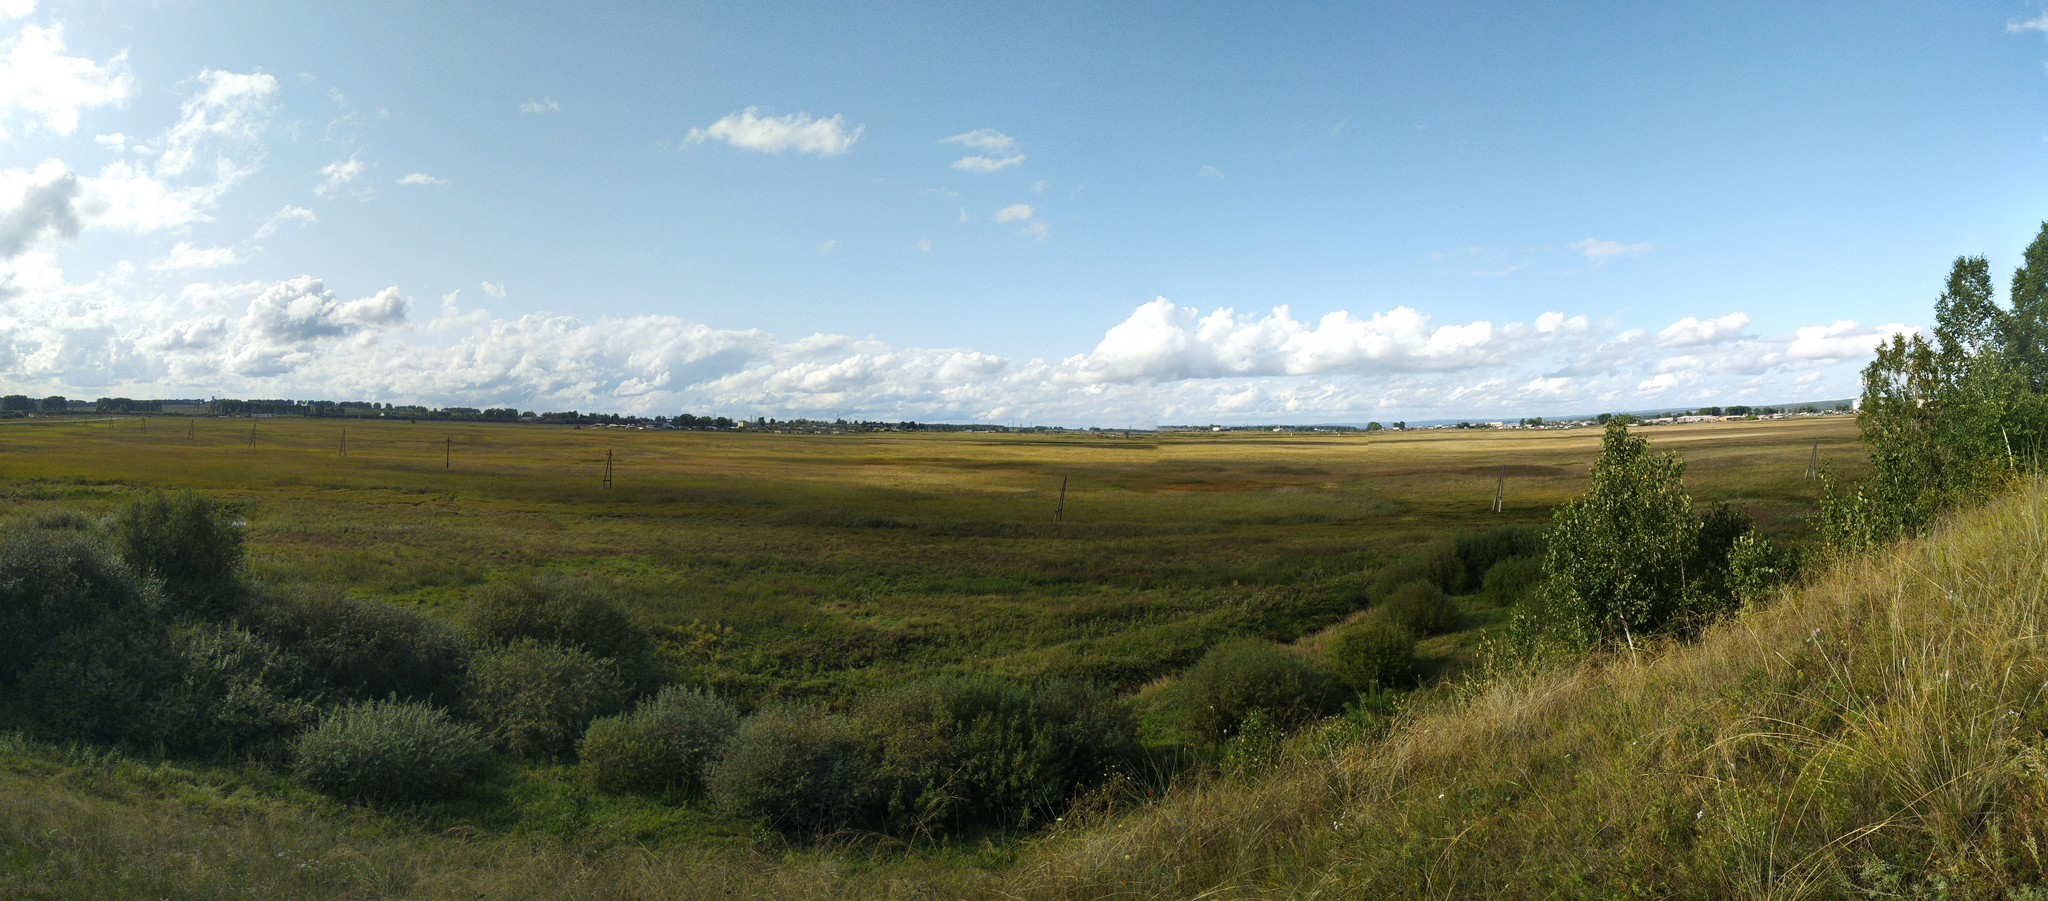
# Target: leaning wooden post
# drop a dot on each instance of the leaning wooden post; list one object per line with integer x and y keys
{"x": 1813, "y": 465}
{"x": 1500, "y": 488}
{"x": 1060, "y": 512}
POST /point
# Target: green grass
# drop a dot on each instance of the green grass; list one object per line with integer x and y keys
{"x": 776, "y": 566}
{"x": 840, "y": 563}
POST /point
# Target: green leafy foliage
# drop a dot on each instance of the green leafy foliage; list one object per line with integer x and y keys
{"x": 1422, "y": 608}
{"x": 568, "y": 612}
{"x": 964, "y": 751}
{"x": 800, "y": 770}
{"x": 1755, "y": 567}
{"x": 1479, "y": 552}
{"x": 231, "y": 692}
{"x": 1506, "y": 583}
{"x": 1952, "y": 418}
{"x": 102, "y": 681}
{"x": 1239, "y": 676}
{"x": 55, "y": 581}
{"x": 190, "y": 543}
{"x": 664, "y": 745}
{"x": 388, "y": 751}
{"x": 536, "y": 699}
{"x": 1372, "y": 654}
{"x": 363, "y": 650}
{"x": 1617, "y": 556}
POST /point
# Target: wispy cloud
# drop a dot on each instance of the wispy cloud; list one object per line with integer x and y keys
{"x": 1600, "y": 251}
{"x": 2038, "y": 23}
{"x": 337, "y": 175}
{"x": 749, "y": 130}
{"x": 495, "y": 289}
{"x": 422, "y": 178}
{"x": 1211, "y": 172}
{"x": 184, "y": 257}
{"x": 541, "y": 107}
{"x": 288, "y": 214}
{"x": 1016, "y": 212}
{"x": 998, "y": 151}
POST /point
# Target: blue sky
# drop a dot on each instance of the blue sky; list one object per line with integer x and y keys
{"x": 1087, "y": 214}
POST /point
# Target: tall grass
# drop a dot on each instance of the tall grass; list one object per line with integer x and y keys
{"x": 1879, "y": 731}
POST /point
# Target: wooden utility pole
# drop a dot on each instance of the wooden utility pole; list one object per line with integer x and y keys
{"x": 448, "y": 453}
{"x": 607, "y": 468}
{"x": 1060, "y": 512}
{"x": 1500, "y": 488}
{"x": 344, "y": 442}
{"x": 1813, "y": 465}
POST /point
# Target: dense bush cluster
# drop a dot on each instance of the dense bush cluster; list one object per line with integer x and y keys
{"x": 664, "y": 745}
{"x": 142, "y": 630}
{"x": 1372, "y": 654}
{"x": 388, "y": 751}
{"x": 1239, "y": 677}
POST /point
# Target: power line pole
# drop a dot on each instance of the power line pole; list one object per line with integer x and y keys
{"x": 607, "y": 468}
{"x": 1500, "y": 488}
{"x": 1060, "y": 512}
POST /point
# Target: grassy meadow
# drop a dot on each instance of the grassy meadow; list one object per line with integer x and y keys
{"x": 822, "y": 567}
{"x": 779, "y": 565}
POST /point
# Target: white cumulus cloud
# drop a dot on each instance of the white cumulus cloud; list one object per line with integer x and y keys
{"x": 41, "y": 83}
{"x": 1016, "y": 212}
{"x": 423, "y": 179}
{"x": 749, "y": 130}
{"x": 1693, "y": 331}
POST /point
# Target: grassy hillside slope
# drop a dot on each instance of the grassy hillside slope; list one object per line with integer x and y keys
{"x": 1878, "y": 732}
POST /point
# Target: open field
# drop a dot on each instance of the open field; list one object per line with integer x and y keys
{"x": 772, "y": 566}
{"x": 821, "y": 565}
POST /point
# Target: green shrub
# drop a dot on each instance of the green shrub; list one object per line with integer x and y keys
{"x": 187, "y": 541}
{"x": 1422, "y": 608}
{"x": 568, "y": 612}
{"x": 1239, "y": 676}
{"x": 231, "y": 692}
{"x": 663, "y": 745}
{"x": 962, "y": 751}
{"x": 1755, "y": 568}
{"x": 1436, "y": 563}
{"x": 535, "y": 699}
{"x": 53, "y": 582}
{"x": 1479, "y": 552}
{"x": 1615, "y": 561}
{"x": 1372, "y": 654}
{"x": 364, "y": 650}
{"x": 800, "y": 770}
{"x": 1511, "y": 580}
{"x": 1720, "y": 527}
{"x": 388, "y": 751}
{"x": 102, "y": 681}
